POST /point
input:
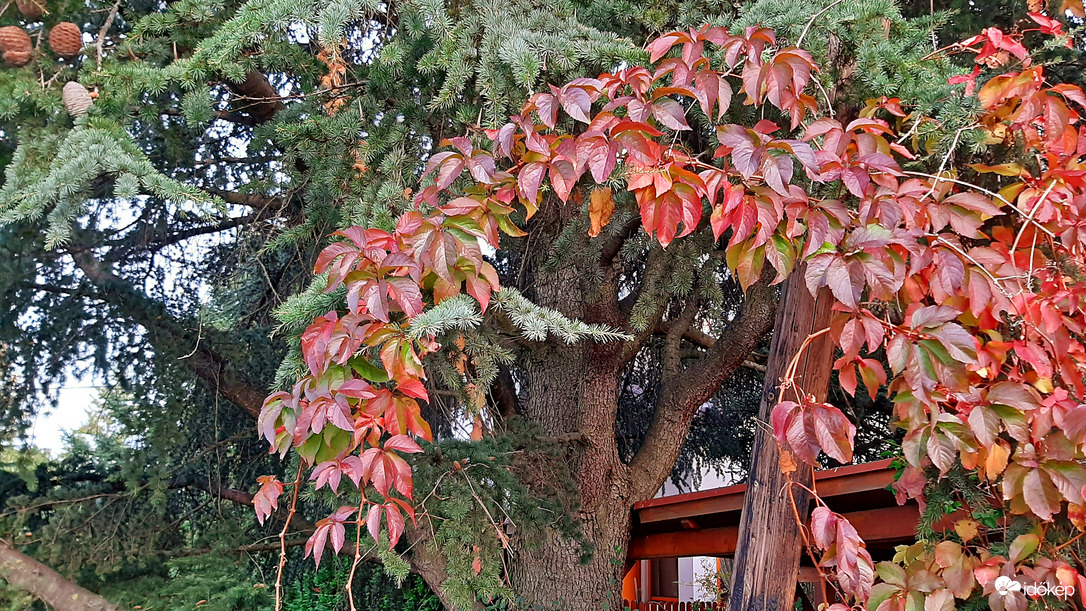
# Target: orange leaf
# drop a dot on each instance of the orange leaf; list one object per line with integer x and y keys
{"x": 600, "y": 209}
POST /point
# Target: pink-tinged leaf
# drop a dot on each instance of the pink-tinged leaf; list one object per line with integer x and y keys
{"x": 847, "y": 378}
{"x": 337, "y": 533}
{"x": 670, "y": 113}
{"x": 481, "y": 168}
{"x": 373, "y": 522}
{"x": 941, "y": 451}
{"x": 412, "y": 387}
{"x": 402, "y": 443}
{"x": 438, "y": 160}
{"x": 332, "y": 252}
{"x": 327, "y": 472}
{"x": 462, "y": 144}
{"x": 405, "y": 292}
{"x": 547, "y": 107}
{"x": 449, "y": 172}
{"x": 835, "y": 433}
{"x": 266, "y": 500}
{"x": 269, "y": 414}
{"x": 598, "y": 155}
{"x": 356, "y": 388}
{"x": 563, "y": 178}
{"x": 529, "y": 179}
{"x": 395, "y": 523}
{"x": 315, "y": 544}
{"x": 781, "y": 414}
{"x": 576, "y": 102}
{"x": 844, "y": 281}
{"x": 958, "y": 342}
{"x": 930, "y": 316}
{"x": 659, "y": 47}
{"x": 1014, "y": 395}
{"x": 504, "y": 139}
{"x": 823, "y": 527}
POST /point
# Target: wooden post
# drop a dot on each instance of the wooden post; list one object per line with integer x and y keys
{"x": 769, "y": 546}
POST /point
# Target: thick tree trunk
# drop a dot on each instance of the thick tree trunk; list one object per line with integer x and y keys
{"x": 769, "y": 549}
{"x": 49, "y": 586}
{"x": 562, "y": 573}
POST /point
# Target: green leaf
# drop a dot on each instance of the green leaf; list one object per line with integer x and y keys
{"x": 1023, "y": 547}
{"x": 368, "y": 370}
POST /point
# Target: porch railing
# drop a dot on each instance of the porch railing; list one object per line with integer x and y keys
{"x": 661, "y": 605}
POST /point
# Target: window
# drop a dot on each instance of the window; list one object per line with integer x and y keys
{"x": 665, "y": 578}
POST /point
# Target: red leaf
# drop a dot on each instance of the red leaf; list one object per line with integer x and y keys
{"x": 546, "y": 107}
{"x": 529, "y": 179}
{"x": 670, "y": 113}
{"x": 659, "y": 47}
{"x": 576, "y": 102}
{"x": 402, "y": 443}
{"x": 266, "y": 500}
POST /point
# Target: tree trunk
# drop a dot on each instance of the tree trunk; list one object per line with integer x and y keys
{"x": 769, "y": 548}
{"x": 562, "y": 573}
{"x": 49, "y": 586}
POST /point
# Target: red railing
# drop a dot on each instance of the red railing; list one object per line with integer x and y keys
{"x": 661, "y": 605}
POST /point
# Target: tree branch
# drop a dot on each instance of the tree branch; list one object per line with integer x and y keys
{"x": 47, "y": 585}
{"x": 226, "y": 115}
{"x": 263, "y": 101}
{"x": 503, "y": 391}
{"x": 257, "y": 201}
{"x": 683, "y": 394}
{"x": 147, "y": 241}
{"x": 167, "y": 333}
{"x": 703, "y": 340}
{"x": 672, "y": 357}
{"x": 655, "y": 267}
{"x": 614, "y": 245}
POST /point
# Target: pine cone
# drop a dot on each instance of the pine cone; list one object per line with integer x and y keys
{"x": 31, "y": 9}
{"x": 14, "y": 38}
{"x": 66, "y": 39}
{"x": 77, "y": 100}
{"x": 17, "y": 58}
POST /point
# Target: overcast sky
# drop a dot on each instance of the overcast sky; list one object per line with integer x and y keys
{"x": 67, "y": 414}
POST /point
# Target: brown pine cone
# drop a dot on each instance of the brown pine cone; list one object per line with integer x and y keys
{"x": 76, "y": 98}
{"x": 14, "y": 38}
{"x": 17, "y": 58}
{"x": 66, "y": 39}
{"x": 31, "y": 9}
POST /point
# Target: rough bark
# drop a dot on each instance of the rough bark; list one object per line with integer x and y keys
{"x": 44, "y": 583}
{"x": 770, "y": 545}
{"x": 574, "y": 390}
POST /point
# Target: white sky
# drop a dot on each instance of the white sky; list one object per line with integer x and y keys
{"x": 68, "y": 413}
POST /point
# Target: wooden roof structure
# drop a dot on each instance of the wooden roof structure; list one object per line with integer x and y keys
{"x": 706, "y": 523}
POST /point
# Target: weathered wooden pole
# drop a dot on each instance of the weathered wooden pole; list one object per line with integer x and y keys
{"x": 770, "y": 545}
